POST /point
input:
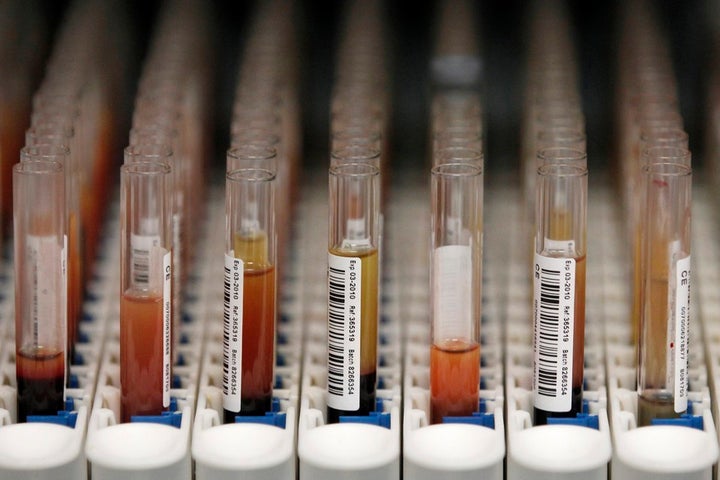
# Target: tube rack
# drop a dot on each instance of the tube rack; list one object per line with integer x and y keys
{"x": 198, "y": 446}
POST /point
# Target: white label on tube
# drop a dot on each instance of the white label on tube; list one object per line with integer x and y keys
{"x": 682, "y": 332}
{"x": 554, "y": 315}
{"x": 452, "y": 290}
{"x": 140, "y": 248}
{"x": 167, "y": 303}
{"x": 344, "y": 314}
{"x": 232, "y": 332}
{"x": 64, "y": 269}
{"x": 44, "y": 256}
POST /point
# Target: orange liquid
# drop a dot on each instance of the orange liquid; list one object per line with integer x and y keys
{"x": 454, "y": 379}
{"x": 258, "y": 343}
{"x": 40, "y": 381}
{"x": 258, "y": 333}
{"x": 141, "y": 355}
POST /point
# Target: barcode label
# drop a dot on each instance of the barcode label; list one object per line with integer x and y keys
{"x": 344, "y": 314}
{"x": 141, "y": 248}
{"x": 682, "y": 333}
{"x": 232, "y": 332}
{"x": 554, "y": 314}
{"x": 167, "y": 311}
{"x": 452, "y": 289}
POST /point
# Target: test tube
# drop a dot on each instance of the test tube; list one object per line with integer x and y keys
{"x": 252, "y": 156}
{"x": 146, "y": 288}
{"x": 250, "y": 292}
{"x": 59, "y": 152}
{"x": 456, "y": 242}
{"x": 40, "y": 241}
{"x": 559, "y": 290}
{"x": 353, "y": 278}
{"x": 651, "y": 155}
{"x": 665, "y": 317}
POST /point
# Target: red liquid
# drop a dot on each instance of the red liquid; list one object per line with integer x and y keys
{"x": 40, "y": 381}
{"x": 141, "y": 355}
{"x": 454, "y": 379}
{"x": 258, "y": 343}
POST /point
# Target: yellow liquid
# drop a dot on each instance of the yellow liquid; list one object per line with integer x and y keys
{"x": 368, "y": 305}
{"x": 654, "y": 325}
{"x": 252, "y": 249}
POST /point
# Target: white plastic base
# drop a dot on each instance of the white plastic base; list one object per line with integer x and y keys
{"x": 242, "y": 450}
{"x": 455, "y": 451}
{"x": 659, "y": 451}
{"x": 118, "y": 451}
{"x": 43, "y": 450}
{"x": 348, "y": 450}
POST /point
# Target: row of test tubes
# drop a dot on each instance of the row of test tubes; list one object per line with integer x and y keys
{"x": 350, "y": 387}
{"x": 60, "y": 188}
{"x": 246, "y": 375}
{"x": 655, "y": 378}
{"x": 249, "y": 387}
{"x": 155, "y": 356}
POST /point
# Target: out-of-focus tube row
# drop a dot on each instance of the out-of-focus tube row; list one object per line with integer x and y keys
{"x": 554, "y": 375}
{"x": 552, "y": 115}
{"x": 453, "y": 370}
{"x": 76, "y": 108}
{"x": 350, "y": 412}
{"x": 247, "y": 408}
{"x": 149, "y": 372}
{"x": 658, "y": 382}
{"x": 360, "y": 100}
{"x": 50, "y": 376}
{"x": 266, "y": 107}
{"x": 24, "y": 34}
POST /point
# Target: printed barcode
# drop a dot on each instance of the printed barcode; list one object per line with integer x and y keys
{"x": 232, "y": 333}
{"x": 336, "y": 331}
{"x": 344, "y": 327}
{"x": 548, "y": 332}
{"x": 554, "y": 314}
{"x": 226, "y": 332}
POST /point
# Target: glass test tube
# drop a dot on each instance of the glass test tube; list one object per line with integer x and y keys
{"x": 146, "y": 288}
{"x": 250, "y": 292}
{"x": 40, "y": 241}
{"x": 455, "y": 277}
{"x": 650, "y": 155}
{"x": 75, "y": 286}
{"x": 559, "y": 290}
{"x": 353, "y": 280}
{"x": 546, "y": 156}
{"x": 665, "y": 319}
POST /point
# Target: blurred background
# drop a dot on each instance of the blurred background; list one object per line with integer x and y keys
{"x": 690, "y": 27}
